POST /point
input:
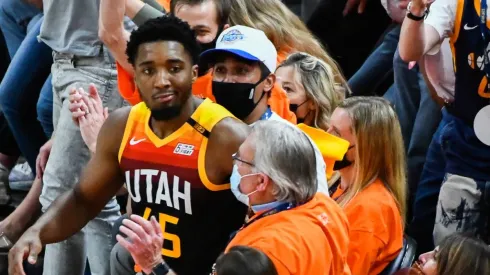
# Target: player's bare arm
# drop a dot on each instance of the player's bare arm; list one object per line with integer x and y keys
{"x": 71, "y": 211}
{"x": 226, "y": 138}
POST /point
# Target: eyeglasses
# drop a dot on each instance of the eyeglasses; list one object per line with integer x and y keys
{"x": 237, "y": 158}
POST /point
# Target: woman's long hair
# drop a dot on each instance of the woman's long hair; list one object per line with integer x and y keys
{"x": 459, "y": 254}
{"x": 318, "y": 80}
{"x": 380, "y": 153}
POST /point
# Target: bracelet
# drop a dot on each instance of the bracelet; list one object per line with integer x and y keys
{"x": 414, "y": 17}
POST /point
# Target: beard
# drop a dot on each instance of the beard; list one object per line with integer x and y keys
{"x": 166, "y": 113}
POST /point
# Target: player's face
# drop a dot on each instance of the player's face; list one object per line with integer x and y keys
{"x": 164, "y": 74}
{"x": 202, "y": 18}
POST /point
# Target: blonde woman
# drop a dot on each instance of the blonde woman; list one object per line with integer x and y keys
{"x": 283, "y": 28}
{"x": 373, "y": 181}
{"x": 310, "y": 85}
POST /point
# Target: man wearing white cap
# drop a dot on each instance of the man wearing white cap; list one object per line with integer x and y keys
{"x": 243, "y": 62}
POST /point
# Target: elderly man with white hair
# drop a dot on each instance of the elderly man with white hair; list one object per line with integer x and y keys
{"x": 301, "y": 230}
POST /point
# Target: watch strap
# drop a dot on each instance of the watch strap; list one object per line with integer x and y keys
{"x": 415, "y": 17}
{"x": 161, "y": 269}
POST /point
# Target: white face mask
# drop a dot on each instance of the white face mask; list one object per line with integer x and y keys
{"x": 235, "y": 180}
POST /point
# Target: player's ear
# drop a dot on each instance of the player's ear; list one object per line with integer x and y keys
{"x": 195, "y": 70}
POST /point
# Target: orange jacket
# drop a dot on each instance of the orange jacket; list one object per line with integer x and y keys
{"x": 376, "y": 229}
{"x": 309, "y": 239}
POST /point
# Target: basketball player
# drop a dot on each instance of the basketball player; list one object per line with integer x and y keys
{"x": 173, "y": 150}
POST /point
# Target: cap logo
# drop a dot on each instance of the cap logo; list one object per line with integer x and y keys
{"x": 232, "y": 36}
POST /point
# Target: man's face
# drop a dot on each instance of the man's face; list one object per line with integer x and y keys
{"x": 202, "y": 18}
{"x": 230, "y": 69}
{"x": 164, "y": 75}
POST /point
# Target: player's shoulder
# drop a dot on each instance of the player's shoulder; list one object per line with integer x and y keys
{"x": 116, "y": 122}
{"x": 230, "y": 128}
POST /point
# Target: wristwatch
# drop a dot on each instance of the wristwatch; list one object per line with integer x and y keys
{"x": 161, "y": 269}
{"x": 410, "y": 15}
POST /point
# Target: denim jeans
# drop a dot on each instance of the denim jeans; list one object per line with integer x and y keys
{"x": 454, "y": 151}
{"x": 419, "y": 117}
{"x": 377, "y": 65}
{"x": 16, "y": 21}
{"x": 20, "y": 91}
{"x": 8, "y": 145}
{"x": 69, "y": 155}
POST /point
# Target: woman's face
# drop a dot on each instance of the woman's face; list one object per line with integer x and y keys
{"x": 288, "y": 79}
{"x": 341, "y": 126}
{"x": 428, "y": 262}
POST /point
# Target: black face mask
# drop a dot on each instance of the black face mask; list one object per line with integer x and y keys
{"x": 344, "y": 163}
{"x": 294, "y": 108}
{"x": 238, "y": 98}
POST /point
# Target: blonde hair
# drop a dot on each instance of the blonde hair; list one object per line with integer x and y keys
{"x": 380, "y": 152}
{"x": 283, "y": 28}
{"x": 318, "y": 80}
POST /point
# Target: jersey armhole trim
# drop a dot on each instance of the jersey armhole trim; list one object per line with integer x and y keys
{"x": 127, "y": 132}
{"x": 201, "y": 167}
{"x": 457, "y": 22}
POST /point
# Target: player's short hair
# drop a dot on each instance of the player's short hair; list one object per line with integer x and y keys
{"x": 223, "y": 8}
{"x": 165, "y": 28}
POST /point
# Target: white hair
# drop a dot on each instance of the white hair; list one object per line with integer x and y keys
{"x": 285, "y": 154}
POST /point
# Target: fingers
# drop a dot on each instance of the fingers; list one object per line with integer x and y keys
{"x": 94, "y": 94}
{"x": 362, "y": 6}
{"x": 106, "y": 113}
{"x": 403, "y": 4}
{"x": 411, "y": 64}
{"x": 16, "y": 257}
{"x": 34, "y": 250}
{"x": 39, "y": 173}
{"x": 132, "y": 236}
{"x": 125, "y": 243}
{"x": 146, "y": 225}
{"x": 43, "y": 161}
{"x": 156, "y": 226}
{"x": 349, "y": 6}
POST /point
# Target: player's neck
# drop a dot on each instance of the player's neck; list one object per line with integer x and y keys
{"x": 257, "y": 113}
{"x": 164, "y": 128}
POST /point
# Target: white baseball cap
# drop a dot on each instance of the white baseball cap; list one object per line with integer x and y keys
{"x": 245, "y": 42}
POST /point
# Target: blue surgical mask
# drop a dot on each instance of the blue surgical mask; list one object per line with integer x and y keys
{"x": 235, "y": 186}
{"x": 265, "y": 206}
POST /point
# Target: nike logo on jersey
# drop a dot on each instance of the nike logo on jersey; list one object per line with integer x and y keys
{"x": 134, "y": 142}
{"x": 469, "y": 28}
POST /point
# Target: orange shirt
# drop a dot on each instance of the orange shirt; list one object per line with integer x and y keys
{"x": 309, "y": 239}
{"x": 376, "y": 229}
{"x": 165, "y": 4}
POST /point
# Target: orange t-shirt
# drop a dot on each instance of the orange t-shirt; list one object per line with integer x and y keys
{"x": 310, "y": 239}
{"x": 376, "y": 230}
{"x": 165, "y": 4}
